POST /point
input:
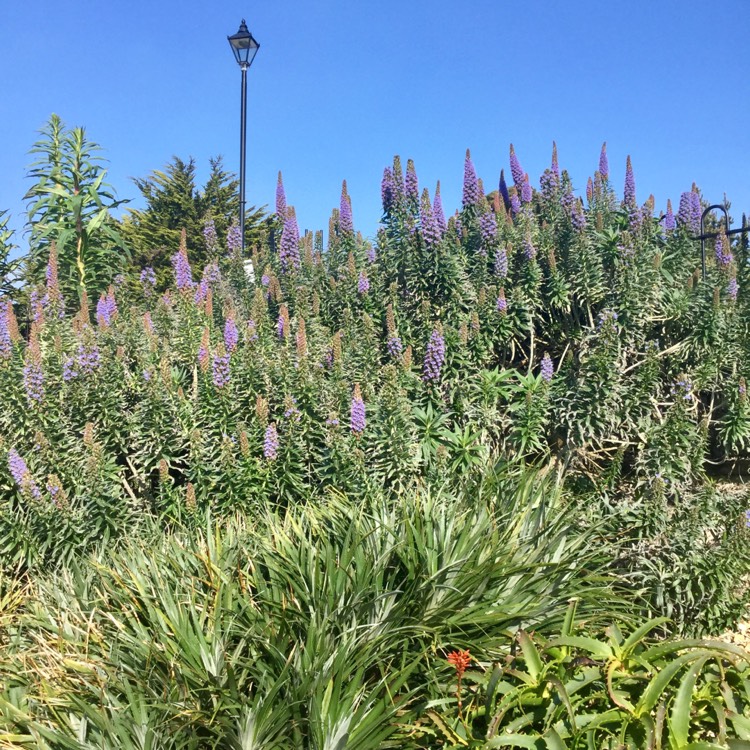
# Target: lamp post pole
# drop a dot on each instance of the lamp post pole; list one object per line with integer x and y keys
{"x": 243, "y": 154}
{"x": 244, "y": 47}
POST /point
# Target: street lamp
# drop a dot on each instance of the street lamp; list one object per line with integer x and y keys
{"x": 245, "y": 48}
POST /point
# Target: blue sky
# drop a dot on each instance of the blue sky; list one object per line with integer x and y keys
{"x": 339, "y": 87}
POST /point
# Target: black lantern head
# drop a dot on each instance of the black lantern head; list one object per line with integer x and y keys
{"x": 244, "y": 46}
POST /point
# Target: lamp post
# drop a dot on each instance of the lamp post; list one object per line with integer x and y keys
{"x": 244, "y": 48}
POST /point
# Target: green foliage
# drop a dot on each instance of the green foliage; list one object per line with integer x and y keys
{"x": 8, "y": 267}
{"x": 589, "y": 690}
{"x": 70, "y": 206}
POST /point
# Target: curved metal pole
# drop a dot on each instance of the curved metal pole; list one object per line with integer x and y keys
{"x": 705, "y": 213}
{"x": 243, "y": 140}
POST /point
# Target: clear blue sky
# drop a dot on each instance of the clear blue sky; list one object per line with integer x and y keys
{"x": 338, "y": 87}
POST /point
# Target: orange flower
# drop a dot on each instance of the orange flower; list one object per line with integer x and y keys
{"x": 460, "y": 660}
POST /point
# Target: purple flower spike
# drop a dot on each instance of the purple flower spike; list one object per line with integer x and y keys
{"x": 430, "y": 230}
{"x": 363, "y": 283}
{"x": 388, "y": 191}
{"x": 733, "y": 289}
{"x": 515, "y": 203}
{"x": 411, "y": 184}
{"x": 234, "y": 238}
{"x": 503, "y": 188}
{"x": 21, "y": 474}
{"x": 528, "y": 248}
{"x": 578, "y": 216}
{"x": 668, "y": 222}
{"x": 220, "y": 370}
{"x": 723, "y": 251}
{"x": 182, "y": 271}
{"x": 629, "y": 192}
{"x": 33, "y": 375}
{"x": 394, "y": 346}
{"x": 526, "y": 193}
{"x": 471, "y": 184}
{"x": 604, "y": 162}
{"x": 6, "y": 343}
{"x": 696, "y": 210}
{"x": 502, "y": 303}
{"x": 488, "y": 230}
{"x": 358, "y": 418}
{"x": 210, "y": 237}
{"x": 437, "y": 211}
{"x": 280, "y": 199}
{"x": 547, "y": 369}
{"x": 148, "y": 280}
{"x": 684, "y": 210}
{"x": 434, "y": 358}
{"x": 231, "y": 334}
{"x": 515, "y": 168}
{"x": 289, "y": 246}
{"x": 271, "y": 443}
{"x": 346, "y": 223}
{"x": 501, "y": 263}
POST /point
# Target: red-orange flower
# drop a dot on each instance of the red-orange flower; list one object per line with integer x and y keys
{"x": 460, "y": 660}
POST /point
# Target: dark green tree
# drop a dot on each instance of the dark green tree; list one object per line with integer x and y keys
{"x": 70, "y": 205}
{"x": 173, "y": 203}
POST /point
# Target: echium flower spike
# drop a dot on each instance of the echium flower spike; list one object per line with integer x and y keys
{"x": 220, "y": 370}
{"x": 231, "y": 334}
{"x": 411, "y": 183}
{"x": 388, "y": 191}
{"x": 578, "y": 216}
{"x": 210, "y": 237}
{"x": 555, "y": 165}
{"x": 695, "y": 209}
{"x": 357, "y": 416}
{"x": 503, "y": 188}
{"x": 363, "y": 284}
{"x": 724, "y": 255}
{"x": 182, "y": 272}
{"x": 526, "y": 193}
{"x": 234, "y": 238}
{"x": 346, "y": 222}
{"x": 471, "y": 184}
{"x": 430, "y": 230}
{"x": 629, "y": 192}
{"x": 289, "y": 245}
{"x": 6, "y": 343}
{"x": 547, "y": 369}
{"x": 604, "y": 162}
{"x": 684, "y": 210}
{"x": 21, "y": 474}
{"x": 434, "y": 358}
{"x": 501, "y": 263}
{"x": 502, "y": 303}
{"x": 271, "y": 443}
{"x": 301, "y": 339}
{"x": 515, "y": 168}
{"x": 437, "y": 211}
{"x": 54, "y": 296}
{"x": 33, "y": 375}
{"x": 668, "y": 222}
{"x": 280, "y": 199}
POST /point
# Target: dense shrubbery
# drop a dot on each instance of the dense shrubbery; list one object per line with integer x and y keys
{"x": 431, "y": 362}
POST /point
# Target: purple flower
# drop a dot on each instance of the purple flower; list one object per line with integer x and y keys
{"x": 502, "y": 304}
{"x": 515, "y": 204}
{"x": 501, "y": 263}
{"x": 723, "y": 252}
{"x": 388, "y": 191}
{"x": 629, "y": 192}
{"x": 394, "y": 345}
{"x": 21, "y": 474}
{"x": 346, "y": 223}
{"x": 590, "y": 190}
{"x": 526, "y": 193}
{"x": 604, "y": 162}
{"x": 684, "y": 210}
{"x": 234, "y": 238}
{"x": 69, "y": 369}
{"x": 547, "y": 369}
{"x": 411, "y": 184}
{"x": 201, "y": 292}
{"x": 363, "y": 284}
{"x": 281, "y": 327}
{"x": 371, "y": 255}
{"x": 210, "y": 237}
{"x": 503, "y": 188}
{"x": 668, "y": 222}
{"x": 231, "y": 334}
{"x": 220, "y": 370}
{"x": 528, "y": 248}
{"x": 747, "y": 518}
{"x": 487, "y": 228}
{"x": 606, "y": 319}
{"x": 271, "y": 443}
{"x": 437, "y": 211}
{"x": 696, "y": 210}
{"x": 578, "y": 216}
{"x": 357, "y": 420}
{"x": 471, "y": 184}
{"x": 733, "y": 289}
{"x": 88, "y": 358}
{"x": 434, "y": 358}
{"x": 430, "y": 229}
{"x": 292, "y": 412}
{"x": 289, "y": 247}
{"x": 33, "y": 375}
{"x": 682, "y": 388}
{"x": 106, "y": 309}
{"x": 182, "y": 271}
{"x": 515, "y": 168}
{"x": 280, "y": 199}
{"x": 6, "y": 344}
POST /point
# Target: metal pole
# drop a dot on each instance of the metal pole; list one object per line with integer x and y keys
{"x": 243, "y": 140}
